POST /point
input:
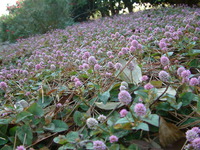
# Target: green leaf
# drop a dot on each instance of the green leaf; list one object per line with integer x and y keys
{"x": 45, "y": 101}
{"x": 142, "y": 126}
{"x": 72, "y": 136}
{"x": 170, "y": 91}
{"x": 3, "y": 141}
{"x": 35, "y": 109}
{"x": 131, "y": 76}
{"x": 156, "y": 84}
{"x": 50, "y": 127}
{"x": 104, "y": 97}
{"x": 61, "y": 139}
{"x": 108, "y": 105}
{"x": 186, "y": 98}
{"x": 22, "y": 115}
{"x": 198, "y": 106}
{"x": 60, "y": 126}
{"x": 126, "y": 119}
{"x": 165, "y": 106}
{"x": 152, "y": 119}
{"x": 3, "y": 129}
{"x": 77, "y": 118}
{"x": 6, "y": 147}
{"x": 5, "y": 121}
{"x": 67, "y": 146}
{"x": 25, "y": 135}
{"x": 194, "y": 63}
{"x": 115, "y": 147}
{"x": 141, "y": 93}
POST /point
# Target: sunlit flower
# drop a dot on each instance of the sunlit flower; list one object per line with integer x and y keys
{"x": 99, "y": 145}
{"x": 140, "y": 109}
{"x": 91, "y": 123}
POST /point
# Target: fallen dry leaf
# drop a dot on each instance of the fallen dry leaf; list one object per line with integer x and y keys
{"x": 169, "y": 133}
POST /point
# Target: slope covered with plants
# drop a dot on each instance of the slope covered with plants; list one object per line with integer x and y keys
{"x": 123, "y": 82}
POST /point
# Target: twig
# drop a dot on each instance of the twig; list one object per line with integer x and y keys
{"x": 159, "y": 96}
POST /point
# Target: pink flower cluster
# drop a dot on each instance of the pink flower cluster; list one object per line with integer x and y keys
{"x": 193, "y": 137}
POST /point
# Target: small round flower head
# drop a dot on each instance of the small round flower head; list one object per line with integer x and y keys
{"x": 78, "y": 83}
{"x": 109, "y": 53}
{"x": 196, "y": 143}
{"x": 38, "y": 67}
{"x": 132, "y": 49}
{"x": 92, "y": 60}
{"x": 199, "y": 79}
{"x": 118, "y": 66}
{"x": 140, "y": 109}
{"x": 191, "y": 135}
{"x": 91, "y": 123}
{"x": 134, "y": 43}
{"x": 185, "y": 74}
{"x": 99, "y": 145}
{"x": 123, "y": 113}
{"x": 144, "y": 78}
{"x": 59, "y": 105}
{"x": 124, "y": 97}
{"x": 97, "y": 67}
{"x": 85, "y": 66}
{"x": 193, "y": 82}
{"x": 52, "y": 67}
{"x": 148, "y": 86}
{"x": 196, "y": 129}
{"x": 122, "y": 88}
{"x": 185, "y": 80}
{"x": 110, "y": 64}
{"x": 101, "y": 118}
{"x": 162, "y": 44}
{"x": 21, "y": 147}
{"x": 124, "y": 84}
{"x": 164, "y": 76}
{"x": 164, "y": 61}
{"x": 3, "y": 85}
{"x": 113, "y": 138}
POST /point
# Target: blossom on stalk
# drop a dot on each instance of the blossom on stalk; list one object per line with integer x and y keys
{"x": 91, "y": 123}
{"x": 140, "y": 109}
{"x": 124, "y": 97}
{"x": 99, "y": 145}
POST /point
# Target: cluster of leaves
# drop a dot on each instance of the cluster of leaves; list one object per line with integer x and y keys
{"x": 30, "y": 17}
{"x": 52, "y": 83}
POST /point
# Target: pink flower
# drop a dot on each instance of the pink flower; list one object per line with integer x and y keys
{"x": 99, "y": 145}
{"x": 92, "y": 60}
{"x": 3, "y": 85}
{"x": 164, "y": 76}
{"x": 78, "y": 83}
{"x": 185, "y": 73}
{"x": 191, "y": 135}
{"x": 97, "y": 67}
{"x": 38, "y": 67}
{"x": 113, "y": 138}
{"x": 140, "y": 109}
{"x": 193, "y": 82}
{"x": 164, "y": 61}
{"x": 123, "y": 113}
{"x": 196, "y": 143}
{"x": 148, "y": 86}
{"x": 124, "y": 97}
{"x": 21, "y": 147}
{"x": 144, "y": 78}
{"x": 118, "y": 66}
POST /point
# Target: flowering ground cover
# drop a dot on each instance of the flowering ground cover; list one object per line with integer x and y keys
{"x": 123, "y": 82}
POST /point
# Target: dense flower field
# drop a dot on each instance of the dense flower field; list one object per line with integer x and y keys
{"x": 123, "y": 82}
